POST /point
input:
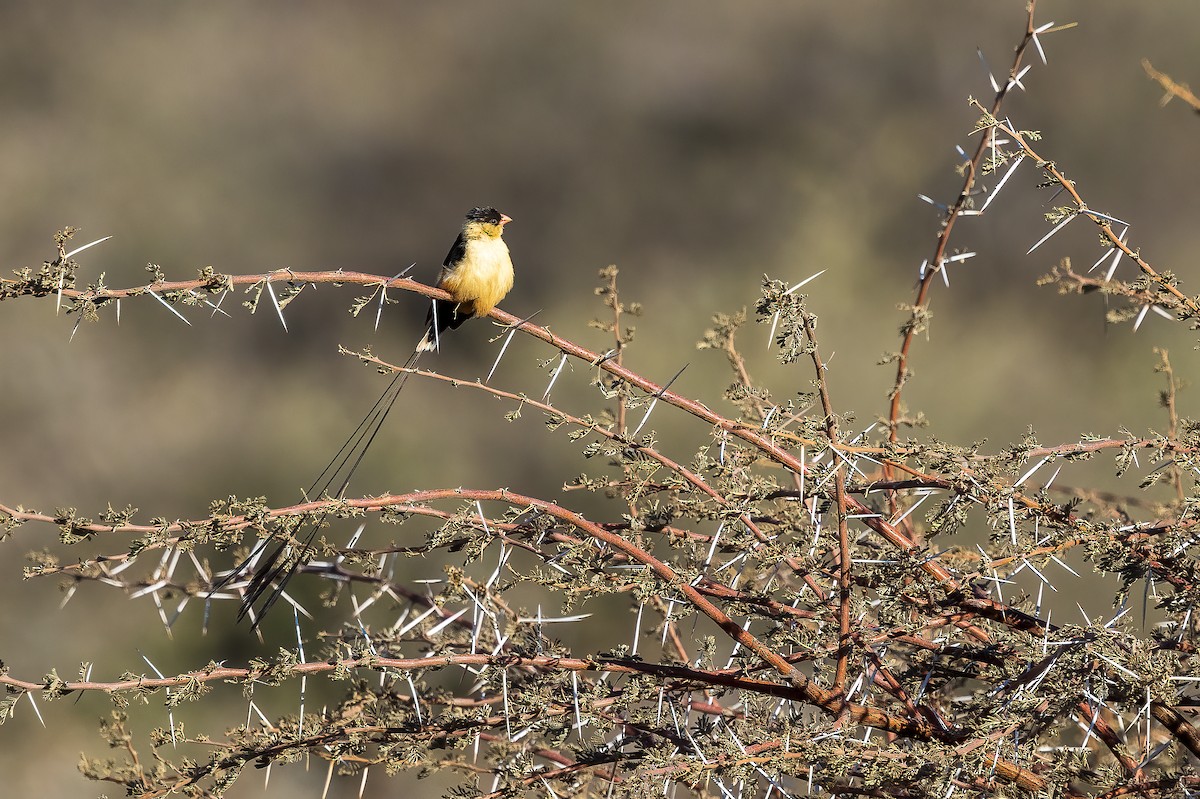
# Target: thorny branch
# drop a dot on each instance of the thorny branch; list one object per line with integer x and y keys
{"x": 954, "y": 212}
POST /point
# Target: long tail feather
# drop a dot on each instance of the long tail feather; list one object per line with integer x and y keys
{"x": 278, "y": 567}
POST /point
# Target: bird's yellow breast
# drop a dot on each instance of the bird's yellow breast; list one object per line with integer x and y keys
{"x": 483, "y": 278}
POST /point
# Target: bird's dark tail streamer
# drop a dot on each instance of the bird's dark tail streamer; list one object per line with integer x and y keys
{"x": 272, "y": 575}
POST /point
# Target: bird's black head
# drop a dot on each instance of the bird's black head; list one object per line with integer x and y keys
{"x": 487, "y": 215}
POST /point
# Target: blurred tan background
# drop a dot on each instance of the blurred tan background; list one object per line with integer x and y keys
{"x": 697, "y": 145}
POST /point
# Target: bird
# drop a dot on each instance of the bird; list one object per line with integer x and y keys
{"x": 477, "y": 273}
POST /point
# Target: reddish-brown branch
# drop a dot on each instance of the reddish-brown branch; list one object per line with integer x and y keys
{"x": 1081, "y": 208}
{"x": 1005, "y": 769}
{"x": 841, "y": 500}
{"x": 936, "y": 263}
{"x": 812, "y": 693}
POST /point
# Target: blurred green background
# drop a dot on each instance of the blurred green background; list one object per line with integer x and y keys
{"x": 697, "y": 145}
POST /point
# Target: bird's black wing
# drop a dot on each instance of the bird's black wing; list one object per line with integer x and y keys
{"x": 448, "y": 315}
{"x": 457, "y": 252}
